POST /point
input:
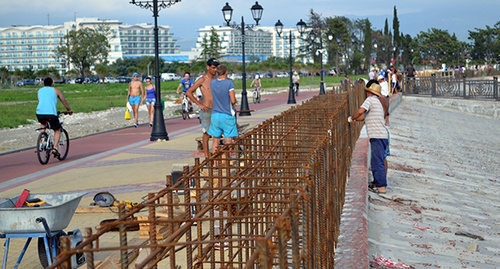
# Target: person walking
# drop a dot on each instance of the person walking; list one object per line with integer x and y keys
{"x": 150, "y": 99}
{"x": 296, "y": 81}
{"x": 372, "y": 112}
{"x": 384, "y": 92}
{"x": 206, "y": 104}
{"x": 46, "y": 110}
{"x": 224, "y": 116}
{"x": 135, "y": 97}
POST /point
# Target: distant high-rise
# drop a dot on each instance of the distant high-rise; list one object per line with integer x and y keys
{"x": 32, "y": 47}
{"x": 261, "y": 42}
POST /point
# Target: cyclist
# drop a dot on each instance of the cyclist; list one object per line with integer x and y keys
{"x": 257, "y": 83}
{"x": 46, "y": 110}
{"x": 186, "y": 82}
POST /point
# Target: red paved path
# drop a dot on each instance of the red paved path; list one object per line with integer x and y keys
{"x": 25, "y": 162}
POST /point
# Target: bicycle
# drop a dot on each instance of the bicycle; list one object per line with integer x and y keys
{"x": 45, "y": 142}
{"x": 186, "y": 107}
{"x": 256, "y": 96}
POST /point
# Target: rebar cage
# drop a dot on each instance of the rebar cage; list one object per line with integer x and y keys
{"x": 272, "y": 198}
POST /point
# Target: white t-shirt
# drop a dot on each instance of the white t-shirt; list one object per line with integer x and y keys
{"x": 385, "y": 88}
{"x": 374, "y": 118}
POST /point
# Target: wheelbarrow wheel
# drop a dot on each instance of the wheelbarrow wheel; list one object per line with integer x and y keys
{"x": 42, "y": 255}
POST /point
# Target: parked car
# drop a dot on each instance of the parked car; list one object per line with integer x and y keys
{"x": 110, "y": 80}
{"x": 25, "y": 82}
{"x": 79, "y": 80}
{"x": 60, "y": 81}
{"x": 124, "y": 79}
{"x": 169, "y": 76}
{"x": 281, "y": 74}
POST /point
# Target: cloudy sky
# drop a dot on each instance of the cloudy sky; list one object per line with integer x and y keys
{"x": 456, "y": 16}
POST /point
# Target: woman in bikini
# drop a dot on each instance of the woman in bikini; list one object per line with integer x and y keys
{"x": 150, "y": 99}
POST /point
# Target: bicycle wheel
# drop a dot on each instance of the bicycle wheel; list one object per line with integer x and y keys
{"x": 296, "y": 91}
{"x": 184, "y": 110}
{"x": 258, "y": 98}
{"x": 254, "y": 96}
{"x": 63, "y": 145}
{"x": 42, "y": 148}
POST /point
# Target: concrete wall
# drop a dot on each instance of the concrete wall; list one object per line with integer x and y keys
{"x": 487, "y": 108}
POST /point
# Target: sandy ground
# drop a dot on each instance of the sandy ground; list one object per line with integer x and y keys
{"x": 79, "y": 124}
{"x": 443, "y": 181}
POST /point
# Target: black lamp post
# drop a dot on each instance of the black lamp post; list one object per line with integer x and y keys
{"x": 227, "y": 12}
{"x": 159, "y": 132}
{"x": 301, "y": 26}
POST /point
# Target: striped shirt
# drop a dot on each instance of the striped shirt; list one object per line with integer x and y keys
{"x": 374, "y": 118}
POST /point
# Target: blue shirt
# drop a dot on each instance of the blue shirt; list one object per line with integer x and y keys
{"x": 47, "y": 101}
{"x": 220, "y": 93}
{"x": 186, "y": 84}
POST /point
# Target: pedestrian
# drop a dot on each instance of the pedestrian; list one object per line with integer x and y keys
{"x": 384, "y": 91}
{"x": 372, "y": 112}
{"x": 135, "y": 96}
{"x": 410, "y": 74}
{"x": 206, "y": 105}
{"x": 371, "y": 74}
{"x": 46, "y": 110}
{"x": 224, "y": 116}
{"x": 186, "y": 83}
{"x": 394, "y": 81}
{"x": 150, "y": 99}
{"x": 296, "y": 80}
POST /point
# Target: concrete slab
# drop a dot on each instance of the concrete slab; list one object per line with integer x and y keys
{"x": 444, "y": 178}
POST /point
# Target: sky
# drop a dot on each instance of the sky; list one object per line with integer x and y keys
{"x": 187, "y": 16}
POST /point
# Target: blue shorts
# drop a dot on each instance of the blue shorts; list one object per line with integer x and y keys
{"x": 223, "y": 123}
{"x": 150, "y": 101}
{"x": 134, "y": 100}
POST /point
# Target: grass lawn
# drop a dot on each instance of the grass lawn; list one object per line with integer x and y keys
{"x": 17, "y": 106}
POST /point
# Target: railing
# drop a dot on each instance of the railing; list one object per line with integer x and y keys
{"x": 273, "y": 198}
{"x": 478, "y": 88}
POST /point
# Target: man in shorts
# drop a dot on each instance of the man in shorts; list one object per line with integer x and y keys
{"x": 223, "y": 117}
{"x": 135, "y": 96}
{"x": 207, "y": 106}
{"x": 46, "y": 110}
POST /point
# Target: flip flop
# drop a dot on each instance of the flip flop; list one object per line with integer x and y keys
{"x": 371, "y": 185}
{"x": 375, "y": 190}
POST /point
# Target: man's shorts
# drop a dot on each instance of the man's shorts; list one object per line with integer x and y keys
{"x": 205, "y": 118}
{"x": 150, "y": 101}
{"x": 52, "y": 119}
{"x": 134, "y": 100}
{"x": 223, "y": 123}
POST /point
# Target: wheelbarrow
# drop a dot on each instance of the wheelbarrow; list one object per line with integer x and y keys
{"x": 45, "y": 222}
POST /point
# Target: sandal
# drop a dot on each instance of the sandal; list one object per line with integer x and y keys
{"x": 375, "y": 190}
{"x": 56, "y": 153}
{"x": 371, "y": 185}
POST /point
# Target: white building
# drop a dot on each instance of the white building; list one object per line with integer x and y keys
{"x": 261, "y": 42}
{"x": 32, "y": 47}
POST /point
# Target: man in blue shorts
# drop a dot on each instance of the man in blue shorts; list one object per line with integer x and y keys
{"x": 223, "y": 119}
{"x": 46, "y": 111}
{"x": 136, "y": 96}
{"x": 186, "y": 82}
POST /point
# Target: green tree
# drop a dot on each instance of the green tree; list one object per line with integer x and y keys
{"x": 84, "y": 48}
{"x": 211, "y": 46}
{"x": 486, "y": 44}
{"x": 4, "y": 75}
{"x": 395, "y": 29}
{"x": 367, "y": 50}
{"x": 435, "y": 47}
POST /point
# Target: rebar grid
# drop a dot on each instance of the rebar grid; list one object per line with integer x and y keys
{"x": 272, "y": 198}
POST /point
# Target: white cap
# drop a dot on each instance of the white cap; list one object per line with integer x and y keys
{"x": 380, "y": 77}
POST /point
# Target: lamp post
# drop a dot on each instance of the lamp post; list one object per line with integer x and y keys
{"x": 227, "y": 12}
{"x": 301, "y": 26}
{"x": 321, "y": 51}
{"x": 159, "y": 132}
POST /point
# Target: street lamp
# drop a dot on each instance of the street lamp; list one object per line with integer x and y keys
{"x": 159, "y": 132}
{"x": 301, "y": 26}
{"x": 321, "y": 51}
{"x": 227, "y": 12}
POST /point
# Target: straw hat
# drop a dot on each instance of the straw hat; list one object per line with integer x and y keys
{"x": 375, "y": 89}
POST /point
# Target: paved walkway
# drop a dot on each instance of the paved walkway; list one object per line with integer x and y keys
{"x": 123, "y": 162}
